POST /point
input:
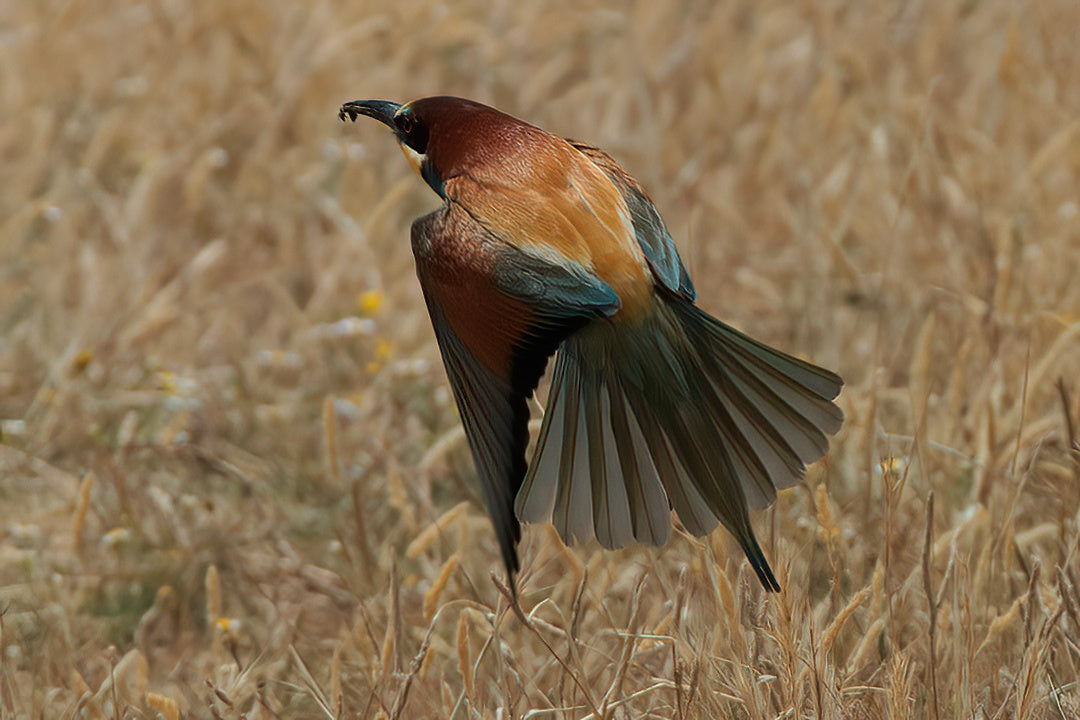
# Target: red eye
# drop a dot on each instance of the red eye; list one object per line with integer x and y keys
{"x": 411, "y": 131}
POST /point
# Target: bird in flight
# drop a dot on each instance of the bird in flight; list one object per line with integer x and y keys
{"x": 546, "y": 245}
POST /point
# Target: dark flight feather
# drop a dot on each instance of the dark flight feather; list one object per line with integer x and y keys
{"x": 476, "y": 285}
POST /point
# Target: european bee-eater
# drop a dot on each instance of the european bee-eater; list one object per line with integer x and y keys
{"x": 545, "y": 244}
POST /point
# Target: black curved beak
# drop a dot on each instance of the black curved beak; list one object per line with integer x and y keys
{"x": 381, "y": 110}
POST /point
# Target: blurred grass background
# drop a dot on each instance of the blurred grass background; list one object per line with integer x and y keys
{"x": 231, "y": 477}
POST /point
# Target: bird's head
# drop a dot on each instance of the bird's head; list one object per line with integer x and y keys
{"x": 442, "y": 136}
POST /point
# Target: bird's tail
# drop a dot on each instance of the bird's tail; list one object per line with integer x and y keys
{"x": 677, "y": 410}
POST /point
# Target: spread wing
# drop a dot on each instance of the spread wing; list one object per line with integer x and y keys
{"x": 499, "y": 312}
{"x": 652, "y": 234}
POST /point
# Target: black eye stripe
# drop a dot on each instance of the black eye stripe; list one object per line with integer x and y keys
{"x": 412, "y": 131}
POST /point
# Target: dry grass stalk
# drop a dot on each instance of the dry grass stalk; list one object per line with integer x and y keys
{"x": 335, "y": 681}
{"x": 78, "y": 525}
{"x": 214, "y": 605}
{"x": 164, "y": 705}
{"x": 391, "y": 652}
{"x": 629, "y": 641}
{"x": 899, "y": 699}
{"x": 330, "y": 431}
{"x": 435, "y": 531}
{"x": 414, "y": 668}
{"x": 842, "y": 617}
{"x": 920, "y": 386}
{"x": 725, "y": 599}
{"x": 432, "y": 596}
{"x": 933, "y": 606}
{"x": 463, "y": 654}
{"x": 578, "y": 681}
{"x": 311, "y": 685}
{"x": 360, "y": 533}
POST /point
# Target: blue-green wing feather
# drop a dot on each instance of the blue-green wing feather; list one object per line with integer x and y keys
{"x": 651, "y": 233}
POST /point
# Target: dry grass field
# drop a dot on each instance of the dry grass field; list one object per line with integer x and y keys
{"x": 232, "y": 479}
